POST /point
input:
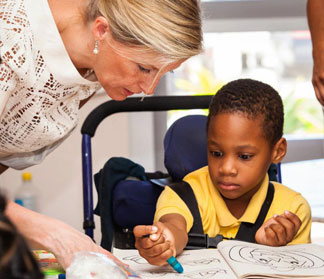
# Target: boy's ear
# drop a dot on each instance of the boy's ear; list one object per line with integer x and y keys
{"x": 279, "y": 150}
{"x": 100, "y": 28}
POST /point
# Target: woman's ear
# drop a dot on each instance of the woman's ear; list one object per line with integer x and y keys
{"x": 100, "y": 28}
{"x": 279, "y": 150}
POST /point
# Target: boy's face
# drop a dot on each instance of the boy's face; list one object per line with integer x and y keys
{"x": 238, "y": 155}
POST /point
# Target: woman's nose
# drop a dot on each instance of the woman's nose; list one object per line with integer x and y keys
{"x": 149, "y": 84}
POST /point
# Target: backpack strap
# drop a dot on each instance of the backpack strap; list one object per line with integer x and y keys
{"x": 197, "y": 238}
{"x": 185, "y": 192}
{"x": 247, "y": 230}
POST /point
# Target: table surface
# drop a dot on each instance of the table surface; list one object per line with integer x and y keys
{"x": 307, "y": 177}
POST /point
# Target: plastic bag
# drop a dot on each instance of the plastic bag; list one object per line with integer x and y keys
{"x": 90, "y": 265}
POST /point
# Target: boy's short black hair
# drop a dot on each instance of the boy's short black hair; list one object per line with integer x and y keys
{"x": 254, "y": 99}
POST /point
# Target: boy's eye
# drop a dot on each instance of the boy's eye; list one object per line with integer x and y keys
{"x": 144, "y": 70}
{"x": 216, "y": 153}
{"x": 245, "y": 156}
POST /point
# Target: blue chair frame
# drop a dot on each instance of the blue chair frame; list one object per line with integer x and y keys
{"x": 88, "y": 129}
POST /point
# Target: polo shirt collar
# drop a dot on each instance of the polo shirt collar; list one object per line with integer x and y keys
{"x": 225, "y": 217}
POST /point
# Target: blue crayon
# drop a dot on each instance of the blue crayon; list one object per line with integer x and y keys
{"x": 175, "y": 264}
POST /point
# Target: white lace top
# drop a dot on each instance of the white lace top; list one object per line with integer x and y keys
{"x": 40, "y": 89}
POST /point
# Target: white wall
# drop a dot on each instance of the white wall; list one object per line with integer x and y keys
{"x": 252, "y": 15}
{"x": 142, "y": 146}
{"x": 59, "y": 177}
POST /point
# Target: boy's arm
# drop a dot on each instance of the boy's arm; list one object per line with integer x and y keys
{"x": 177, "y": 224}
{"x": 164, "y": 239}
{"x": 302, "y": 209}
{"x": 279, "y": 230}
{"x": 296, "y": 224}
{"x": 172, "y": 221}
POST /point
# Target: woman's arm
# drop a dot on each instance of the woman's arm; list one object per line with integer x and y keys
{"x": 47, "y": 233}
{"x": 315, "y": 13}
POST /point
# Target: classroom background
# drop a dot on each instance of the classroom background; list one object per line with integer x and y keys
{"x": 261, "y": 39}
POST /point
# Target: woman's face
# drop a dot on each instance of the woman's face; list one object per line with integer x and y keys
{"x": 122, "y": 71}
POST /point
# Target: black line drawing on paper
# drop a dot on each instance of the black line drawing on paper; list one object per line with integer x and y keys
{"x": 201, "y": 262}
{"x": 206, "y": 268}
{"x": 135, "y": 258}
{"x": 155, "y": 274}
{"x": 139, "y": 260}
{"x": 277, "y": 260}
{"x": 209, "y": 273}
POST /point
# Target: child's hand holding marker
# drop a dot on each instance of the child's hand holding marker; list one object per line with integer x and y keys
{"x": 278, "y": 230}
{"x": 156, "y": 244}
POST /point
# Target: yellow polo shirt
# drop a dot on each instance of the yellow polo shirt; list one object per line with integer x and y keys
{"x": 217, "y": 219}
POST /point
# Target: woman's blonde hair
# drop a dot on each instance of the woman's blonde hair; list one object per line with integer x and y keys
{"x": 171, "y": 28}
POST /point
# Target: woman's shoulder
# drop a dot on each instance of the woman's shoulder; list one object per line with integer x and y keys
{"x": 13, "y": 16}
{"x": 16, "y": 39}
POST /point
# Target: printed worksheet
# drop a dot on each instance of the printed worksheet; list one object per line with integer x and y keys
{"x": 206, "y": 263}
{"x": 249, "y": 260}
{"x": 236, "y": 260}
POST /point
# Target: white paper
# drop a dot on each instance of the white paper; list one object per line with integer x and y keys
{"x": 197, "y": 264}
{"x": 238, "y": 259}
{"x": 294, "y": 261}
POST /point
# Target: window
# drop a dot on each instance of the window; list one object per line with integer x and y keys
{"x": 265, "y": 40}
{"x": 280, "y": 58}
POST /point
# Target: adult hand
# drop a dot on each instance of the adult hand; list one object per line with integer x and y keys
{"x": 66, "y": 241}
{"x": 43, "y": 232}
{"x": 315, "y": 12}
{"x": 155, "y": 243}
{"x": 279, "y": 230}
{"x": 318, "y": 74}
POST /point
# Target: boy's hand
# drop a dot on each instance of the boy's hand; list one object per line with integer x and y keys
{"x": 279, "y": 230}
{"x": 154, "y": 243}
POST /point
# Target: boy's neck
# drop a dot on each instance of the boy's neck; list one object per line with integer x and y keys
{"x": 237, "y": 207}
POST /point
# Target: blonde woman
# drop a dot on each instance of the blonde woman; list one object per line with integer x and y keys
{"x": 55, "y": 55}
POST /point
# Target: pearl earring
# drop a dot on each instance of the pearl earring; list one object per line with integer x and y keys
{"x": 95, "y": 50}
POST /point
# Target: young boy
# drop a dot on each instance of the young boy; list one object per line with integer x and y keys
{"x": 244, "y": 135}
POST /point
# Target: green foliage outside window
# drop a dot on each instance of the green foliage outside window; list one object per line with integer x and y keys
{"x": 302, "y": 115}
